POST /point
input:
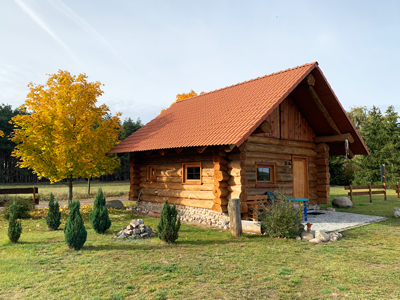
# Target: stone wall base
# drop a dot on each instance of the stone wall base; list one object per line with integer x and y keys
{"x": 187, "y": 214}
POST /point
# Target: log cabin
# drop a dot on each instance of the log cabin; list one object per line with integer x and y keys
{"x": 272, "y": 132}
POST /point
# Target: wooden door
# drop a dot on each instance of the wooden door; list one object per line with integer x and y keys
{"x": 300, "y": 176}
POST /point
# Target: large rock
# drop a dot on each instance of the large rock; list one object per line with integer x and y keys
{"x": 342, "y": 202}
{"x": 306, "y": 236}
{"x": 321, "y": 235}
{"x": 315, "y": 240}
{"x": 114, "y": 204}
{"x": 396, "y": 212}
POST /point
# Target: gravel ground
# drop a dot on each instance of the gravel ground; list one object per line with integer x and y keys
{"x": 340, "y": 221}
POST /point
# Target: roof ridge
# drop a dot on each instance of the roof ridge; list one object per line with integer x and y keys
{"x": 250, "y": 80}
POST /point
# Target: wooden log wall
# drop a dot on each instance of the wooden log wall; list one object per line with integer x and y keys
{"x": 288, "y": 123}
{"x": 238, "y": 181}
{"x": 220, "y": 184}
{"x": 322, "y": 173}
{"x": 168, "y": 183}
{"x": 134, "y": 177}
{"x": 278, "y": 152}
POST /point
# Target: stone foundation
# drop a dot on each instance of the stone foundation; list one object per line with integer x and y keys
{"x": 187, "y": 214}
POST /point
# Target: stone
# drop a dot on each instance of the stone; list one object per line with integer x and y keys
{"x": 313, "y": 207}
{"x": 144, "y": 235}
{"x": 298, "y": 238}
{"x": 137, "y": 231}
{"x": 333, "y": 238}
{"x": 151, "y": 214}
{"x": 315, "y": 240}
{"x": 330, "y": 209}
{"x": 319, "y": 234}
{"x": 396, "y": 212}
{"x": 134, "y": 223}
{"x": 306, "y": 236}
{"x": 140, "y": 221}
{"x": 114, "y": 204}
{"x": 342, "y": 202}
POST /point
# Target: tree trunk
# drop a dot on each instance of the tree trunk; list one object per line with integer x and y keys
{"x": 69, "y": 189}
{"x": 88, "y": 186}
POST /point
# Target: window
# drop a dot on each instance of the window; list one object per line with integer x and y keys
{"x": 265, "y": 174}
{"x": 191, "y": 173}
{"x": 151, "y": 173}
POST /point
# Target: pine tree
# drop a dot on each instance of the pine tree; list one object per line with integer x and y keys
{"x": 168, "y": 226}
{"x": 74, "y": 230}
{"x": 53, "y": 218}
{"x": 14, "y": 226}
{"x": 99, "y": 215}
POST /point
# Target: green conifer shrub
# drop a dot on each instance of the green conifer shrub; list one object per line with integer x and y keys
{"x": 99, "y": 215}
{"x": 14, "y": 225}
{"x": 168, "y": 226}
{"x": 280, "y": 219}
{"x": 74, "y": 230}
{"x": 22, "y": 207}
{"x": 53, "y": 217}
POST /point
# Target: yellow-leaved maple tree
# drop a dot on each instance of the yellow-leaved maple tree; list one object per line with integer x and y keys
{"x": 182, "y": 96}
{"x": 66, "y": 135}
{"x": 1, "y": 133}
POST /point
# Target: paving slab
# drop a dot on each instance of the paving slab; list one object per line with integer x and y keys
{"x": 339, "y": 221}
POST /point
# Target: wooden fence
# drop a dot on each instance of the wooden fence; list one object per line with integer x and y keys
{"x": 397, "y": 187}
{"x": 368, "y": 187}
{"x": 33, "y": 190}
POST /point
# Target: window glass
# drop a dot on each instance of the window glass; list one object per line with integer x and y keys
{"x": 263, "y": 174}
{"x": 193, "y": 173}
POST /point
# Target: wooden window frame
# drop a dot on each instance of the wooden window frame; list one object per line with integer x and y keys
{"x": 184, "y": 173}
{"x": 272, "y": 182}
{"x": 149, "y": 177}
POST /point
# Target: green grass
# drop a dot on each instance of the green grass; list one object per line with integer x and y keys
{"x": 80, "y": 189}
{"x": 203, "y": 264}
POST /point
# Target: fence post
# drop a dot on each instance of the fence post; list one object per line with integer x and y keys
{"x": 34, "y": 196}
{"x": 351, "y": 193}
{"x": 384, "y": 190}
{"x": 370, "y": 192}
{"x": 398, "y": 190}
{"x": 235, "y": 223}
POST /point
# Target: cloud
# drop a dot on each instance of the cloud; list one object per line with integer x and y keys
{"x": 46, "y": 28}
{"x": 62, "y": 7}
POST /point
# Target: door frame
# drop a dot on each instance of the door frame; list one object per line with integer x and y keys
{"x": 307, "y": 189}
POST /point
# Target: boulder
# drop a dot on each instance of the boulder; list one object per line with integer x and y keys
{"x": 306, "y": 236}
{"x": 114, "y": 204}
{"x": 313, "y": 207}
{"x": 315, "y": 240}
{"x": 322, "y": 236}
{"x": 396, "y": 212}
{"x": 330, "y": 209}
{"x": 342, "y": 202}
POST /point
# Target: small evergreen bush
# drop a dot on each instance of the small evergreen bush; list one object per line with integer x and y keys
{"x": 74, "y": 230}
{"x": 280, "y": 219}
{"x": 22, "y": 207}
{"x": 14, "y": 225}
{"x": 53, "y": 218}
{"x": 168, "y": 226}
{"x": 99, "y": 215}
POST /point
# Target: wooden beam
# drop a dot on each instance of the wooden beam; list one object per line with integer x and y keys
{"x": 322, "y": 108}
{"x": 228, "y": 148}
{"x": 335, "y": 138}
{"x": 179, "y": 150}
{"x": 149, "y": 152}
{"x": 311, "y": 80}
{"x": 163, "y": 151}
{"x": 201, "y": 149}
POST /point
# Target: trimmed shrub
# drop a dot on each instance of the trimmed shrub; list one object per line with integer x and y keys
{"x": 168, "y": 226}
{"x": 99, "y": 215}
{"x": 53, "y": 218}
{"x": 22, "y": 207}
{"x": 74, "y": 230}
{"x": 280, "y": 219}
{"x": 14, "y": 225}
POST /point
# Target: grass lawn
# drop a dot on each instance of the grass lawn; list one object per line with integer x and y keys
{"x": 79, "y": 189}
{"x": 204, "y": 264}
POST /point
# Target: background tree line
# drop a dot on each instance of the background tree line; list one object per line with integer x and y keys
{"x": 381, "y": 135}
{"x": 11, "y": 173}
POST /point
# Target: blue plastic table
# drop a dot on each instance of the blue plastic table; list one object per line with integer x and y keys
{"x": 304, "y": 200}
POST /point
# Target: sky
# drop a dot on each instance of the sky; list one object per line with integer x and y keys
{"x": 147, "y": 52}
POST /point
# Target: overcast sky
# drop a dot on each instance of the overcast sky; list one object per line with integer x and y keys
{"x": 146, "y": 52}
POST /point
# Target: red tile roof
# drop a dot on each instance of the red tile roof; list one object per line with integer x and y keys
{"x": 225, "y": 116}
